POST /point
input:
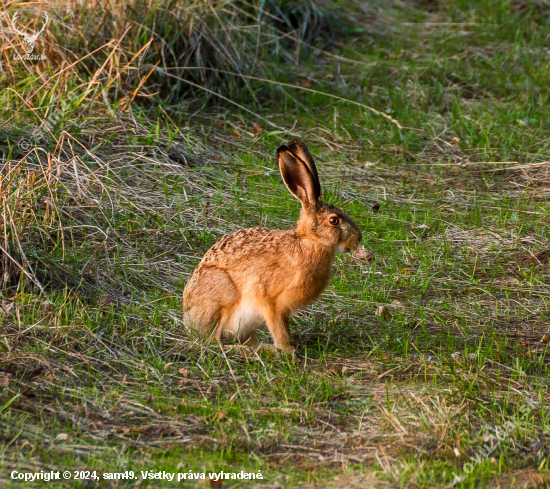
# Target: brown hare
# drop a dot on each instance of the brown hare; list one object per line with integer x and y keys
{"x": 256, "y": 276}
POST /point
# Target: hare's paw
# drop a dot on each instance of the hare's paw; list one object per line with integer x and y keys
{"x": 283, "y": 351}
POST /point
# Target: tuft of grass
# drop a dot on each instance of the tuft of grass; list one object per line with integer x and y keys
{"x": 206, "y": 46}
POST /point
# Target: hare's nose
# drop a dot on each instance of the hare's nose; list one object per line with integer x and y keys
{"x": 360, "y": 238}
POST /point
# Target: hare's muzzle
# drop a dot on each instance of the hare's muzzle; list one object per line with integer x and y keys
{"x": 353, "y": 242}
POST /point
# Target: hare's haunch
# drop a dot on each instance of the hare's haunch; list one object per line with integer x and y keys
{"x": 257, "y": 276}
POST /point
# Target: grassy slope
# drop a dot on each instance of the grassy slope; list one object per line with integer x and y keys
{"x": 368, "y": 401}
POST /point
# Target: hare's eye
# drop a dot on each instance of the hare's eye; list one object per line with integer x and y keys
{"x": 334, "y": 221}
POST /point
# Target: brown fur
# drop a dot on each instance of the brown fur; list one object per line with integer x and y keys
{"x": 257, "y": 275}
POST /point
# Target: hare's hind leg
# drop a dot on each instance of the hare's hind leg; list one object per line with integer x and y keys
{"x": 208, "y": 297}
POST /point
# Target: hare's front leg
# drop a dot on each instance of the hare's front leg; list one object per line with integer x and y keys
{"x": 277, "y": 324}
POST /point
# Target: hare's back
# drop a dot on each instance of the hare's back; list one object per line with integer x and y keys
{"x": 244, "y": 244}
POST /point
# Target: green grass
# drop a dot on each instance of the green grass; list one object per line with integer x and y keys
{"x": 114, "y": 225}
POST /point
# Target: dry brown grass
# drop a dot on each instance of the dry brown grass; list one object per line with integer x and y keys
{"x": 207, "y": 45}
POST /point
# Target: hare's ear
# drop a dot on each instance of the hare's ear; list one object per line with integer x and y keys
{"x": 298, "y": 177}
{"x": 300, "y": 150}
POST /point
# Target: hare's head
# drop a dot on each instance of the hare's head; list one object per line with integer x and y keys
{"x": 318, "y": 221}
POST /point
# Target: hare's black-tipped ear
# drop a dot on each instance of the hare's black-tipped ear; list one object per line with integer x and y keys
{"x": 297, "y": 177}
{"x": 300, "y": 150}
